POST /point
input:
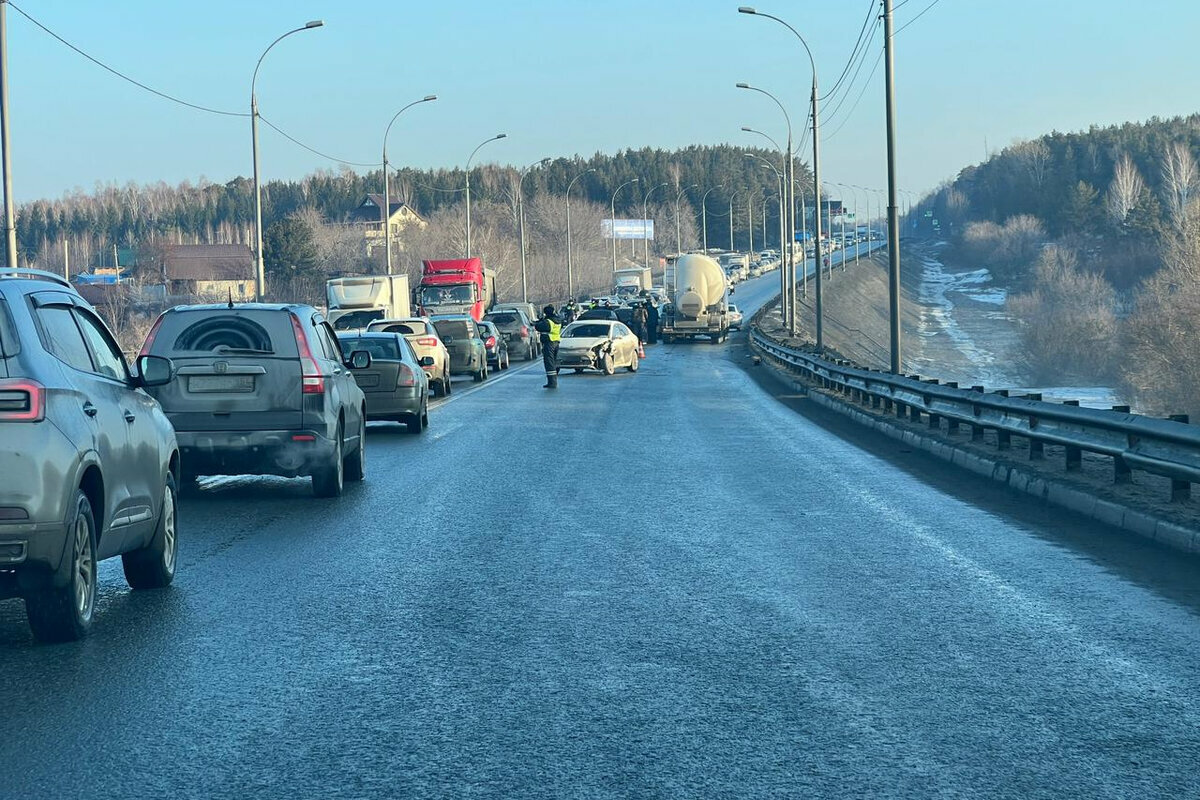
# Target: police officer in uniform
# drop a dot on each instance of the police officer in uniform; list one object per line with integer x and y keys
{"x": 550, "y": 329}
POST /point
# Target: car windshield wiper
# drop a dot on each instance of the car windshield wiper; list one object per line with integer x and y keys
{"x": 245, "y": 351}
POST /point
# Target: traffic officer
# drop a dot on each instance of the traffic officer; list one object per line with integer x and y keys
{"x": 550, "y": 329}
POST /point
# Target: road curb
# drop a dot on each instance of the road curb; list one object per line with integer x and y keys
{"x": 1054, "y": 492}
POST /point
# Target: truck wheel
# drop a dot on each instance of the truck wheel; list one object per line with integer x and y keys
{"x": 153, "y": 566}
{"x": 64, "y": 614}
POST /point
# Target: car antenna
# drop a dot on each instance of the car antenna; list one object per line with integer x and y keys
{"x": 230, "y": 289}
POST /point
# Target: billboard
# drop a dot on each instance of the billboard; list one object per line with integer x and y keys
{"x": 627, "y": 228}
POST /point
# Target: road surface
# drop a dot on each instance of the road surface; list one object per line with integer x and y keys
{"x": 667, "y": 584}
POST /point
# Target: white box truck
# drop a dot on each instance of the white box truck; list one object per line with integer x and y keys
{"x": 356, "y": 302}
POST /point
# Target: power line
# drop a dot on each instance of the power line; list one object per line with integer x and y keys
{"x": 866, "y": 51}
{"x": 866, "y": 84}
{"x": 853, "y": 53}
{"x": 122, "y": 75}
{"x": 914, "y": 19}
{"x": 313, "y": 150}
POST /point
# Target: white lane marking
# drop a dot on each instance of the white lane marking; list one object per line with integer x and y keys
{"x": 489, "y": 382}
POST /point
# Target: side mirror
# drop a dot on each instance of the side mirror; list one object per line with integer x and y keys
{"x": 359, "y": 359}
{"x": 155, "y": 370}
{"x": 426, "y": 361}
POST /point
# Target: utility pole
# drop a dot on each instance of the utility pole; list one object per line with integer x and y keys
{"x": 750, "y": 215}
{"x": 820, "y": 326}
{"x": 893, "y": 230}
{"x": 10, "y": 225}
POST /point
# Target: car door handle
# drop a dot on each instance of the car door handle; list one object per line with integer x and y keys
{"x": 90, "y": 409}
{"x": 129, "y": 416}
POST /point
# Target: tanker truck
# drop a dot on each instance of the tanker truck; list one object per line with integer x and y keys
{"x": 698, "y": 305}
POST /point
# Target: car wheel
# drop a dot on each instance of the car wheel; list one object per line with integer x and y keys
{"x": 329, "y": 480}
{"x": 417, "y": 422}
{"x": 578, "y": 370}
{"x": 447, "y": 385}
{"x": 64, "y": 614}
{"x": 355, "y": 466}
{"x": 633, "y": 363}
{"x": 153, "y": 566}
{"x": 532, "y": 354}
{"x": 607, "y": 366}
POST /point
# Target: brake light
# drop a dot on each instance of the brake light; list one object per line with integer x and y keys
{"x": 311, "y": 379}
{"x": 524, "y": 330}
{"x": 22, "y": 401}
{"x": 406, "y": 377}
{"x": 150, "y": 336}
{"x": 428, "y": 341}
{"x": 490, "y": 342}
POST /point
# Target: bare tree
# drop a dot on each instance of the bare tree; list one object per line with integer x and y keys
{"x": 1125, "y": 190}
{"x": 1034, "y": 158}
{"x": 1179, "y": 178}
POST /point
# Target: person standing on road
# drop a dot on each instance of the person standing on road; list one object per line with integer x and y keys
{"x": 652, "y": 320}
{"x": 550, "y": 329}
{"x": 639, "y": 322}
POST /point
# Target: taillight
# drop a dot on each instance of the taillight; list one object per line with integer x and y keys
{"x": 311, "y": 379}
{"x": 524, "y": 330}
{"x": 407, "y": 377}
{"x": 490, "y": 342}
{"x": 150, "y": 336}
{"x": 22, "y": 401}
{"x": 428, "y": 341}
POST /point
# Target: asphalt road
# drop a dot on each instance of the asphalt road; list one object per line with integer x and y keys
{"x": 667, "y": 584}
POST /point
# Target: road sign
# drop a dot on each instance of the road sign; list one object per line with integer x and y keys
{"x": 627, "y": 228}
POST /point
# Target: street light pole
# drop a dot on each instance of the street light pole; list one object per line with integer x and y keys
{"x": 645, "y": 213}
{"x": 468, "y": 171}
{"x": 260, "y": 281}
{"x": 816, "y": 123}
{"x": 387, "y": 189}
{"x": 613, "y": 219}
{"x": 785, "y": 305}
{"x": 893, "y": 234}
{"x": 678, "y": 235}
{"x": 731, "y": 247}
{"x": 570, "y": 265}
{"x": 704, "y": 214}
{"x": 521, "y": 218}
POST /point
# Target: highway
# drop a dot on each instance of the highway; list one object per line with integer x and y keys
{"x": 668, "y": 584}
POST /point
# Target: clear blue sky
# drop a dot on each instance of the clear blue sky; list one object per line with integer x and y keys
{"x": 562, "y": 78}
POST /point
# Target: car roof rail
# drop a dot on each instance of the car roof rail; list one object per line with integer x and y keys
{"x": 35, "y": 274}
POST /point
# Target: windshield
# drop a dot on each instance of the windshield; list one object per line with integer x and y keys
{"x": 459, "y": 294}
{"x": 356, "y": 319}
{"x": 586, "y": 331}
{"x": 379, "y": 347}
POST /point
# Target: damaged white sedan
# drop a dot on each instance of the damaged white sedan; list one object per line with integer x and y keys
{"x": 600, "y": 344}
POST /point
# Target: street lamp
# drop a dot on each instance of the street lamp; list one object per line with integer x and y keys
{"x": 790, "y": 171}
{"x": 570, "y": 273}
{"x": 678, "y": 235}
{"x": 387, "y": 190}
{"x": 260, "y": 281}
{"x": 497, "y": 137}
{"x": 613, "y": 219}
{"x": 731, "y": 196}
{"x": 704, "y": 213}
{"x": 645, "y": 216}
{"x": 521, "y": 217}
{"x": 786, "y": 290}
{"x": 816, "y": 123}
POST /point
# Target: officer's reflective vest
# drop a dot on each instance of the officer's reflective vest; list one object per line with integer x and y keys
{"x": 555, "y": 330}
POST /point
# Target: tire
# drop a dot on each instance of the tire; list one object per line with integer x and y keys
{"x": 578, "y": 370}
{"x": 417, "y": 424}
{"x": 329, "y": 480}
{"x": 447, "y": 384}
{"x": 439, "y": 387}
{"x": 633, "y": 363}
{"x": 153, "y": 566}
{"x": 354, "y": 466}
{"x": 529, "y": 356}
{"x": 64, "y": 614}
{"x": 606, "y": 364}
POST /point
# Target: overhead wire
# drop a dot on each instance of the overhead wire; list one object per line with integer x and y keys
{"x": 853, "y": 53}
{"x": 914, "y": 19}
{"x": 177, "y": 100}
{"x": 857, "y": 71}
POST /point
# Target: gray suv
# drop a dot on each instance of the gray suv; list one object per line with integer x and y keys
{"x": 262, "y": 389}
{"x": 88, "y": 459}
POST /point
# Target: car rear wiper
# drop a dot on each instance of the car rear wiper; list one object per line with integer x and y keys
{"x": 244, "y": 351}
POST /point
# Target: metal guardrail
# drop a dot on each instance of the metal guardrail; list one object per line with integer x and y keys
{"x": 1166, "y": 447}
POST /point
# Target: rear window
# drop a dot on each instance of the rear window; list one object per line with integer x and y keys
{"x": 233, "y": 332}
{"x": 452, "y": 329}
{"x": 503, "y": 319}
{"x": 586, "y": 331}
{"x": 378, "y": 347}
{"x": 402, "y": 327}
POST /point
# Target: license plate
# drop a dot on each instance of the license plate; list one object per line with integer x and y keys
{"x": 367, "y": 380}
{"x": 220, "y": 383}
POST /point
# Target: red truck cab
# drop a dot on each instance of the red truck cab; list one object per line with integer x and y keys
{"x": 456, "y": 286}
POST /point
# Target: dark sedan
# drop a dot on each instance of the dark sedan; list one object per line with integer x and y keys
{"x": 496, "y": 345}
{"x": 394, "y": 383}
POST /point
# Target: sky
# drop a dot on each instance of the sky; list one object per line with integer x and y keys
{"x": 565, "y": 78}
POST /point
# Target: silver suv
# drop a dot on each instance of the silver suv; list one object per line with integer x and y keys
{"x": 88, "y": 459}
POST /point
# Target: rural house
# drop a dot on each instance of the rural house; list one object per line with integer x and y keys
{"x": 215, "y": 270}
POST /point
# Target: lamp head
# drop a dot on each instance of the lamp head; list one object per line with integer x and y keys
{"x": 747, "y": 129}
{"x": 500, "y": 136}
{"x": 743, "y": 86}
{"x": 428, "y": 97}
{"x": 316, "y": 23}
{"x": 746, "y": 10}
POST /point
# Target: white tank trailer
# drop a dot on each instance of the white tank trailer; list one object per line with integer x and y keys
{"x": 699, "y": 304}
